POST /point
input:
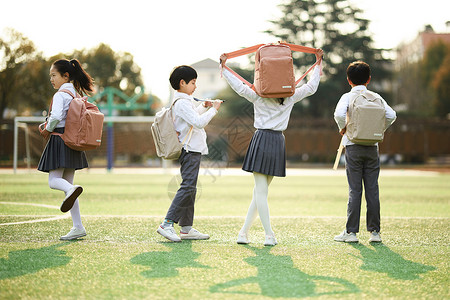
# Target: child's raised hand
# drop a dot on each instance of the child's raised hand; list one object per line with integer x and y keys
{"x": 319, "y": 54}
{"x": 223, "y": 59}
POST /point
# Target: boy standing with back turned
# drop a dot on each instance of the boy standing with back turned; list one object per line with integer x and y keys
{"x": 362, "y": 163}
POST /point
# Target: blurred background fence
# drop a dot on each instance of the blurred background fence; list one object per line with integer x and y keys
{"x": 312, "y": 141}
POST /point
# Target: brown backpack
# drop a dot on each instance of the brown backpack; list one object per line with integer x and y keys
{"x": 274, "y": 69}
{"x": 84, "y": 124}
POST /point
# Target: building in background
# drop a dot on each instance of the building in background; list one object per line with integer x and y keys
{"x": 209, "y": 83}
{"x": 414, "y": 51}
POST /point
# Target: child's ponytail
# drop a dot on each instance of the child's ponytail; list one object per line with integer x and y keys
{"x": 82, "y": 81}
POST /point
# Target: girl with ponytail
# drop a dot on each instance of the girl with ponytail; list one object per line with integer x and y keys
{"x": 57, "y": 159}
{"x": 80, "y": 79}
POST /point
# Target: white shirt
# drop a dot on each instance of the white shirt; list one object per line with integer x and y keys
{"x": 187, "y": 113}
{"x": 269, "y": 114}
{"x": 340, "y": 113}
{"x": 60, "y": 106}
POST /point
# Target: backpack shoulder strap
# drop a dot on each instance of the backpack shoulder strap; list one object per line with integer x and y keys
{"x": 67, "y": 92}
{"x": 304, "y": 49}
{"x": 63, "y": 91}
{"x": 238, "y": 53}
{"x": 252, "y": 49}
{"x": 173, "y": 103}
{"x": 353, "y": 95}
{"x": 189, "y": 135}
{"x": 51, "y": 103}
{"x": 369, "y": 95}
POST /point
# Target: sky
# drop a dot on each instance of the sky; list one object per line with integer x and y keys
{"x": 164, "y": 34}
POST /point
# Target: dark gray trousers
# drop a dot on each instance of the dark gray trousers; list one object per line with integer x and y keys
{"x": 181, "y": 210}
{"x": 362, "y": 164}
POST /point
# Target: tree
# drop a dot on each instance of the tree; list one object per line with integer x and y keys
{"x": 442, "y": 88}
{"x": 36, "y": 92}
{"x": 15, "y": 52}
{"x": 340, "y": 30}
{"x": 436, "y": 75}
{"x": 24, "y": 80}
{"x": 433, "y": 59}
{"x": 411, "y": 90}
{"x": 109, "y": 68}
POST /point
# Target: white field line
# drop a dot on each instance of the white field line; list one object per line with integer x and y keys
{"x": 47, "y": 219}
{"x": 53, "y": 218}
{"x": 30, "y": 204}
{"x": 37, "y": 221}
{"x": 229, "y": 217}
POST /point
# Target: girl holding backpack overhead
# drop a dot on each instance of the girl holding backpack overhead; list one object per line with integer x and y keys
{"x": 57, "y": 159}
{"x": 266, "y": 154}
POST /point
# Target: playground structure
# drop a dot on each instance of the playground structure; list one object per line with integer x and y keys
{"x": 109, "y": 108}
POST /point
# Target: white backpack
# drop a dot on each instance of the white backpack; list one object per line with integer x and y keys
{"x": 165, "y": 136}
{"x": 366, "y": 121}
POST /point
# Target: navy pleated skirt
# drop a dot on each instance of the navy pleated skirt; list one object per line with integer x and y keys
{"x": 266, "y": 153}
{"x": 57, "y": 155}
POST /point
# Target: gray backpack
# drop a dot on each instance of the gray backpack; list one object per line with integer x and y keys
{"x": 366, "y": 118}
{"x": 165, "y": 136}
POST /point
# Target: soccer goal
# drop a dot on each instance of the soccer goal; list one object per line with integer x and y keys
{"x": 126, "y": 142}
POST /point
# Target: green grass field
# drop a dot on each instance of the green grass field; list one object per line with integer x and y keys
{"x": 123, "y": 257}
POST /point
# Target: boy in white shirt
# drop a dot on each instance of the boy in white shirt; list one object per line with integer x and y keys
{"x": 362, "y": 163}
{"x": 189, "y": 119}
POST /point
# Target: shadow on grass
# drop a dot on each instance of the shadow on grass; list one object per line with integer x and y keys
{"x": 383, "y": 260}
{"x": 167, "y": 263}
{"x": 277, "y": 277}
{"x": 23, "y": 262}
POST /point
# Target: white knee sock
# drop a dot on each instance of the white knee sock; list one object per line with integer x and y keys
{"x": 57, "y": 182}
{"x": 76, "y": 215}
{"x": 251, "y": 215}
{"x": 259, "y": 203}
{"x": 68, "y": 175}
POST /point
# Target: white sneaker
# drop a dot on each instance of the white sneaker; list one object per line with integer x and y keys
{"x": 193, "y": 234}
{"x": 375, "y": 237}
{"x": 270, "y": 240}
{"x": 346, "y": 237}
{"x": 71, "y": 196}
{"x": 242, "y": 238}
{"x": 73, "y": 234}
{"x": 169, "y": 233}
